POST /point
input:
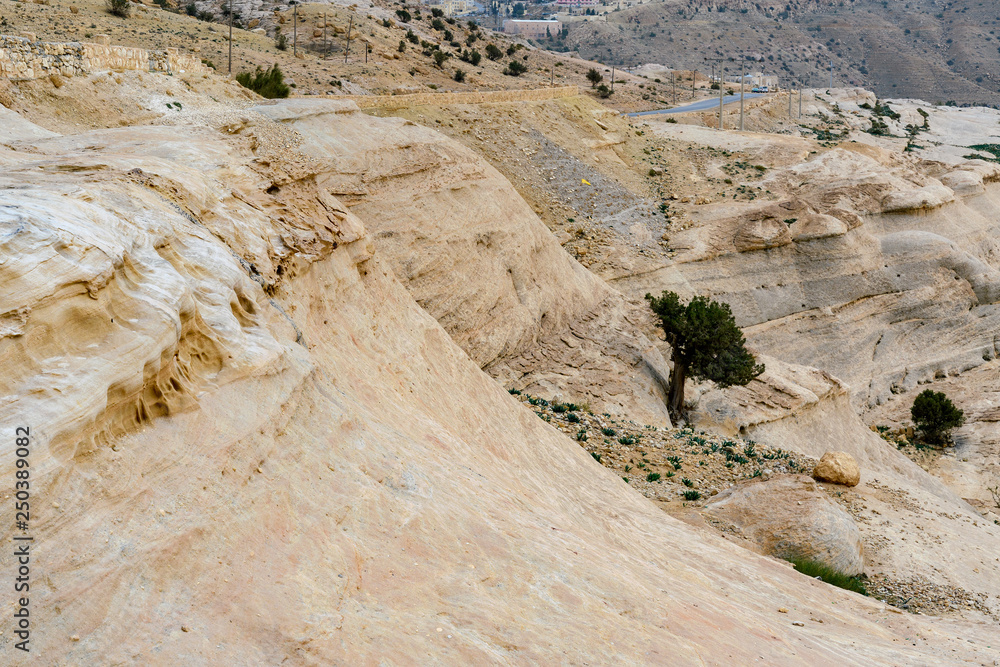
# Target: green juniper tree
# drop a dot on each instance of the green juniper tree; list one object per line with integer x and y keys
{"x": 707, "y": 344}
{"x": 934, "y": 415}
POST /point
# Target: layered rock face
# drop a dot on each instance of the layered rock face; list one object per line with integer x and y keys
{"x": 477, "y": 258}
{"x": 859, "y": 245}
{"x": 246, "y": 427}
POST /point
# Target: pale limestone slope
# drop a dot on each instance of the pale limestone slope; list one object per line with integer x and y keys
{"x": 340, "y": 498}
{"x": 477, "y": 258}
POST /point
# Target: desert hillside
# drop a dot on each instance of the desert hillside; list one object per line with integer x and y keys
{"x": 359, "y": 379}
{"x": 936, "y": 51}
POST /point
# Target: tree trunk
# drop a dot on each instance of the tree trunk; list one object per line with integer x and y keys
{"x": 677, "y": 377}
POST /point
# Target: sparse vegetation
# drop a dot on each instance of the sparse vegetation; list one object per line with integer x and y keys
{"x": 269, "y": 83}
{"x": 120, "y": 8}
{"x": 594, "y": 77}
{"x": 706, "y": 344}
{"x": 829, "y": 575}
{"x": 935, "y": 415}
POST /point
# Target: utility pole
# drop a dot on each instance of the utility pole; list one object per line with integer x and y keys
{"x": 718, "y": 83}
{"x": 790, "y": 92}
{"x": 743, "y": 78}
{"x": 230, "y": 36}
{"x": 552, "y": 76}
{"x": 350, "y": 26}
{"x": 295, "y": 30}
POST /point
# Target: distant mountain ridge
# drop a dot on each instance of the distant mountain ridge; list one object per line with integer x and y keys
{"x": 937, "y": 51}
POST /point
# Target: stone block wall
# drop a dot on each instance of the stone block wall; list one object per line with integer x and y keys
{"x": 24, "y": 57}
{"x": 443, "y": 99}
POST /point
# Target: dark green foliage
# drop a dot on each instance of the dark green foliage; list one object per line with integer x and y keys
{"x": 518, "y": 10}
{"x": 515, "y": 68}
{"x": 119, "y": 8}
{"x": 411, "y": 37}
{"x": 268, "y": 83}
{"x": 687, "y": 482}
{"x": 597, "y": 457}
{"x": 404, "y": 15}
{"x": 436, "y": 13}
{"x": 402, "y": 46}
{"x": 829, "y": 575}
{"x": 626, "y": 440}
{"x": 439, "y": 57}
{"x": 692, "y": 495}
{"x": 594, "y": 77}
{"x": 581, "y": 436}
{"x": 652, "y": 477}
{"x": 514, "y": 392}
{"x": 191, "y": 9}
{"x": 437, "y": 24}
{"x": 493, "y": 53}
{"x": 573, "y": 418}
{"x": 610, "y": 432}
{"x": 603, "y": 91}
{"x": 935, "y": 415}
{"x": 706, "y": 342}
{"x": 281, "y": 42}
{"x": 559, "y": 407}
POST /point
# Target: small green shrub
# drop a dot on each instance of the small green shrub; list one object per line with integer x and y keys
{"x": 687, "y": 482}
{"x": 652, "y": 477}
{"x": 404, "y": 15}
{"x": 829, "y": 575}
{"x": 692, "y": 495}
{"x": 597, "y": 457}
{"x": 269, "y": 83}
{"x": 559, "y": 407}
{"x": 610, "y": 432}
{"x": 581, "y": 436}
{"x": 603, "y": 91}
{"x": 120, "y": 8}
{"x": 515, "y": 68}
{"x": 626, "y": 440}
{"x": 935, "y": 415}
{"x": 573, "y": 418}
{"x": 514, "y": 392}
{"x": 281, "y": 42}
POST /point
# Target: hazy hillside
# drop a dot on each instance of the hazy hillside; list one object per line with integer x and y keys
{"x": 931, "y": 50}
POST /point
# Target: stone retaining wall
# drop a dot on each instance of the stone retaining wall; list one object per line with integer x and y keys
{"x": 443, "y": 99}
{"x": 24, "y": 57}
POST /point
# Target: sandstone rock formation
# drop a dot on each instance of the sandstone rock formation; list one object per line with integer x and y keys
{"x": 789, "y": 517}
{"x": 478, "y": 259}
{"x": 837, "y": 468}
{"x": 245, "y": 427}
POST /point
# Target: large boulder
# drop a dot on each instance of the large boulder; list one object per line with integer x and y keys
{"x": 790, "y": 517}
{"x": 838, "y": 468}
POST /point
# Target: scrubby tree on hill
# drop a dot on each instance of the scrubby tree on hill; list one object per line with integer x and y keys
{"x": 706, "y": 343}
{"x": 935, "y": 415}
{"x": 268, "y": 83}
{"x": 119, "y": 8}
{"x": 594, "y": 77}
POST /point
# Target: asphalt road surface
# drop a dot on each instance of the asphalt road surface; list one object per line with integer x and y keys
{"x": 700, "y": 105}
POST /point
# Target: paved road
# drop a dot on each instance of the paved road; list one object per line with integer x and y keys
{"x": 701, "y": 105}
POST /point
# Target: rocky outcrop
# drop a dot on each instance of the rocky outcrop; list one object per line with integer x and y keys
{"x": 235, "y": 403}
{"x": 478, "y": 259}
{"x": 789, "y": 517}
{"x": 837, "y": 468}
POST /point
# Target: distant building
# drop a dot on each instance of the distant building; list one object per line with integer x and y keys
{"x": 569, "y": 4}
{"x": 454, "y": 7}
{"x": 532, "y": 27}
